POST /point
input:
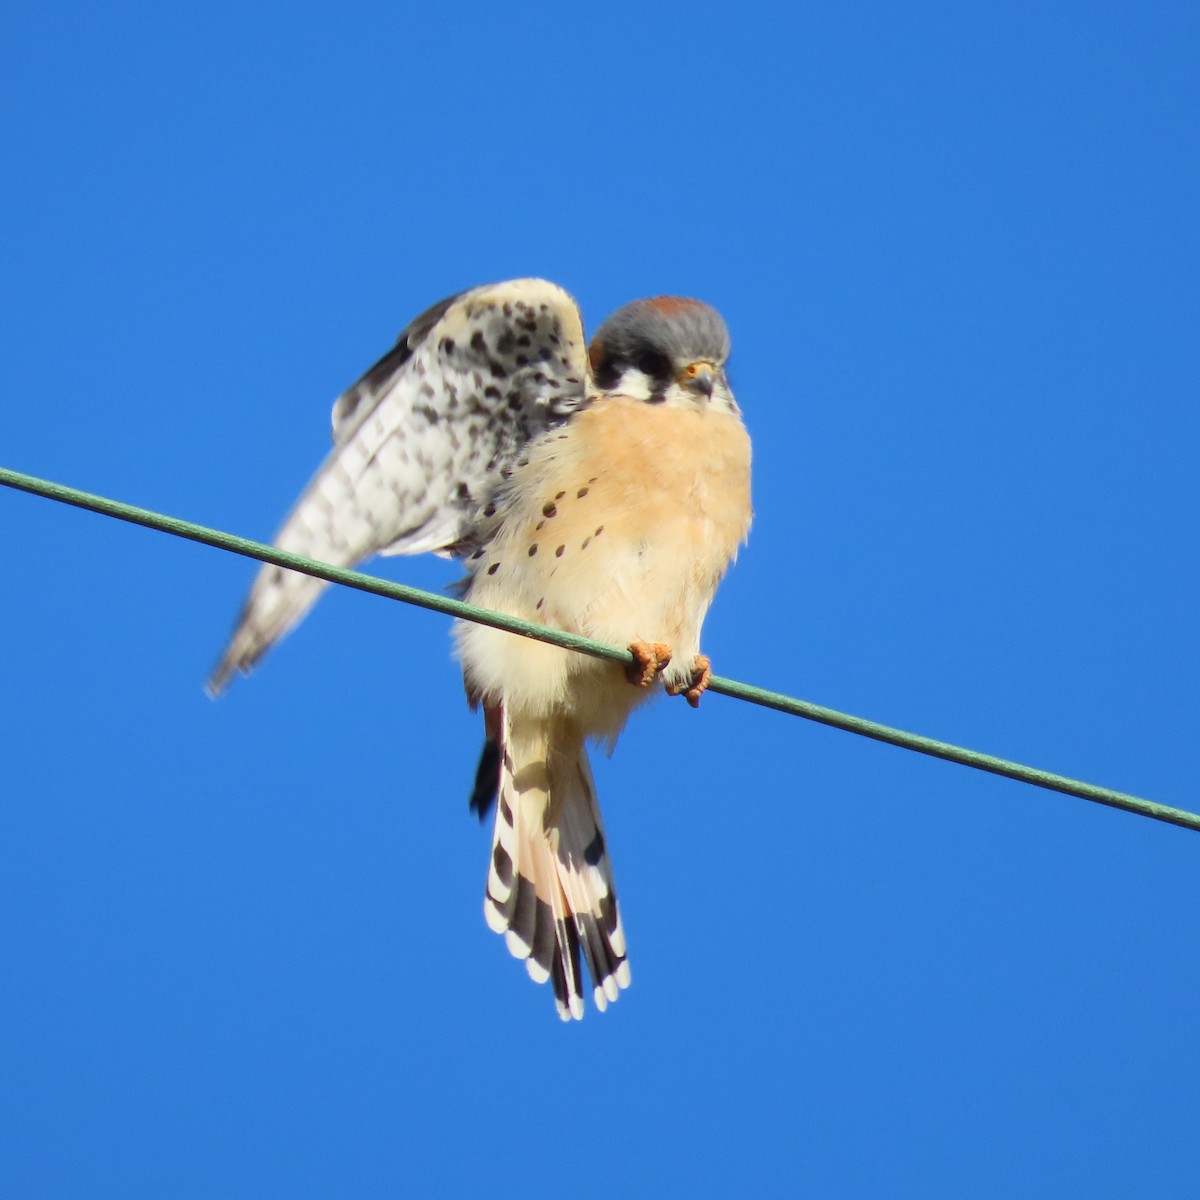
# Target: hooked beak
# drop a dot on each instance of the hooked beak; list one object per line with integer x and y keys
{"x": 699, "y": 377}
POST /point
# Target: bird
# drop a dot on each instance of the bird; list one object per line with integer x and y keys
{"x": 602, "y": 489}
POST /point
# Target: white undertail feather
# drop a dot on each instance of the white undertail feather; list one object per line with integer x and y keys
{"x": 550, "y": 887}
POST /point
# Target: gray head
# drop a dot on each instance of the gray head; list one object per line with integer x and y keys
{"x": 667, "y": 350}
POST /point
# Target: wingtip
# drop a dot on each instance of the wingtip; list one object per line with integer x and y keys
{"x": 221, "y": 677}
{"x": 216, "y": 683}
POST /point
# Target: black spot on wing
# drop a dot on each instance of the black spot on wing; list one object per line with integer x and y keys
{"x": 357, "y": 402}
{"x": 470, "y": 404}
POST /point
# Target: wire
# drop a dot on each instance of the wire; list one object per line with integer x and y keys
{"x": 571, "y": 641}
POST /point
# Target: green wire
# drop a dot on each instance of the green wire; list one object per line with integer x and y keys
{"x": 617, "y": 654}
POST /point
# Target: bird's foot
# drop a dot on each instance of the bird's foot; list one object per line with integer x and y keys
{"x": 695, "y": 687}
{"x": 649, "y": 661}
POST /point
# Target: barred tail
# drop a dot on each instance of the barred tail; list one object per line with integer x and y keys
{"x": 550, "y": 886}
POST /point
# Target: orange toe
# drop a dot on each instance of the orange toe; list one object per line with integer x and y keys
{"x": 649, "y": 660}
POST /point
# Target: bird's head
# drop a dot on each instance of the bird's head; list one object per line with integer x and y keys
{"x": 669, "y": 350}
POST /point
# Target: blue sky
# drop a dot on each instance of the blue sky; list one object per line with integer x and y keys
{"x": 957, "y": 248}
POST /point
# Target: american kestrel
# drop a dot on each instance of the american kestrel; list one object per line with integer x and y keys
{"x": 602, "y": 492}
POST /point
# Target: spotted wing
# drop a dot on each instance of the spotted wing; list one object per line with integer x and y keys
{"x": 421, "y": 441}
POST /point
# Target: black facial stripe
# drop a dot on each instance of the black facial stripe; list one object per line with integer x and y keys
{"x": 651, "y": 364}
{"x": 607, "y": 374}
{"x": 655, "y": 366}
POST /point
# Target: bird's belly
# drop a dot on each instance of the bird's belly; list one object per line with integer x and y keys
{"x": 614, "y": 530}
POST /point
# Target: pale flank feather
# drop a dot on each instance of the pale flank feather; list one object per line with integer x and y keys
{"x": 550, "y": 888}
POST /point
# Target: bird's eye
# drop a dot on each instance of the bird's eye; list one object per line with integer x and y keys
{"x": 654, "y": 365}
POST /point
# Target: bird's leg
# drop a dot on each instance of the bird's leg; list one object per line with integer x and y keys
{"x": 649, "y": 660}
{"x": 694, "y": 688}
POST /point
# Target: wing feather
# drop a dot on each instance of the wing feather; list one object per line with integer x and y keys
{"x": 422, "y": 441}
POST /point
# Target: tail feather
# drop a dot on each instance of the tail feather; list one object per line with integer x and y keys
{"x": 550, "y": 888}
{"x": 602, "y": 938}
